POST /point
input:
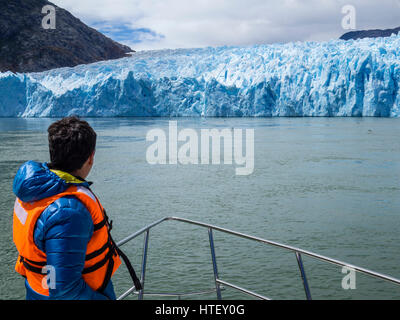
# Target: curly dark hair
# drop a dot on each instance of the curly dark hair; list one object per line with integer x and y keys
{"x": 71, "y": 142}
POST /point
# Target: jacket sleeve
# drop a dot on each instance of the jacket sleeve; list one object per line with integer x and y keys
{"x": 62, "y": 232}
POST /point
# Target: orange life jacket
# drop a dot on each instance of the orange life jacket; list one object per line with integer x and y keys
{"x": 102, "y": 255}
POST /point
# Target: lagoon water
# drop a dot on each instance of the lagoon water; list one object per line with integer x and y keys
{"x": 328, "y": 185}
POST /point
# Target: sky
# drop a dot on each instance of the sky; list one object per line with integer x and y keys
{"x": 160, "y": 24}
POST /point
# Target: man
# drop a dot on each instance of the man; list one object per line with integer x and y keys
{"x": 60, "y": 229}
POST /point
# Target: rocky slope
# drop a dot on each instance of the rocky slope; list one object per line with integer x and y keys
{"x": 354, "y": 35}
{"x": 25, "y": 46}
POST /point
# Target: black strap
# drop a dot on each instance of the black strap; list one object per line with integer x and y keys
{"x": 98, "y": 252}
{"x": 42, "y": 263}
{"x": 100, "y": 225}
{"x": 99, "y": 264}
{"x": 107, "y": 276}
{"x": 128, "y": 264}
{"x": 132, "y": 272}
{"x": 30, "y": 267}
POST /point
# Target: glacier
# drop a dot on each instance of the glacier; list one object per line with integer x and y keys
{"x": 310, "y": 79}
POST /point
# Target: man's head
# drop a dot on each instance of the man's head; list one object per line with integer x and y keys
{"x": 72, "y": 143}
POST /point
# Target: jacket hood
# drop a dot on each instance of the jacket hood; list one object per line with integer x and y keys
{"x": 35, "y": 181}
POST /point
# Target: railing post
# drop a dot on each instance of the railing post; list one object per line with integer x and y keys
{"x": 214, "y": 261}
{"x": 144, "y": 260}
{"x": 303, "y": 276}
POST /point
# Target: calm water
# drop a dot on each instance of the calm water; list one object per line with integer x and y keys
{"x": 327, "y": 185}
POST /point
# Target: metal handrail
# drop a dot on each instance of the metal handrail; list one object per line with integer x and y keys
{"x": 177, "y": 295}
{"x": 298, "y": 252}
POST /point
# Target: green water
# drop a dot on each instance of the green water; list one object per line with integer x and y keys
{"x": 326, "y": 185}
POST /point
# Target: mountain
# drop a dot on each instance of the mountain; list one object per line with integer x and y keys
{"x": 25, "y": 46}
{"x": 310, "y": 79}
{"x": 354, "y": 35}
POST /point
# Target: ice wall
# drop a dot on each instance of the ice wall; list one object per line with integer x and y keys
{"x": 336, "y": 78}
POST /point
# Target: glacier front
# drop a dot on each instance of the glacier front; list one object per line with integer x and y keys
{"x": 335, "y": 78}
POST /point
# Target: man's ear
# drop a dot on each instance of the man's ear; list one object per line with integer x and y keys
{"x": 91, "y": 158}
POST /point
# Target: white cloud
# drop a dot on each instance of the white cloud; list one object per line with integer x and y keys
{"x": 198, "y": 23}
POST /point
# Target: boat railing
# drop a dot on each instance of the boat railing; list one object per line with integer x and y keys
{"x": 221, "y": 284}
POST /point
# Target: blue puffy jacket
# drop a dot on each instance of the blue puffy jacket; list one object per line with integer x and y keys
{"x": 66, "y": 223}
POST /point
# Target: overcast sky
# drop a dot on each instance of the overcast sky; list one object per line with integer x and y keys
{"x": 157, "y": 24}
